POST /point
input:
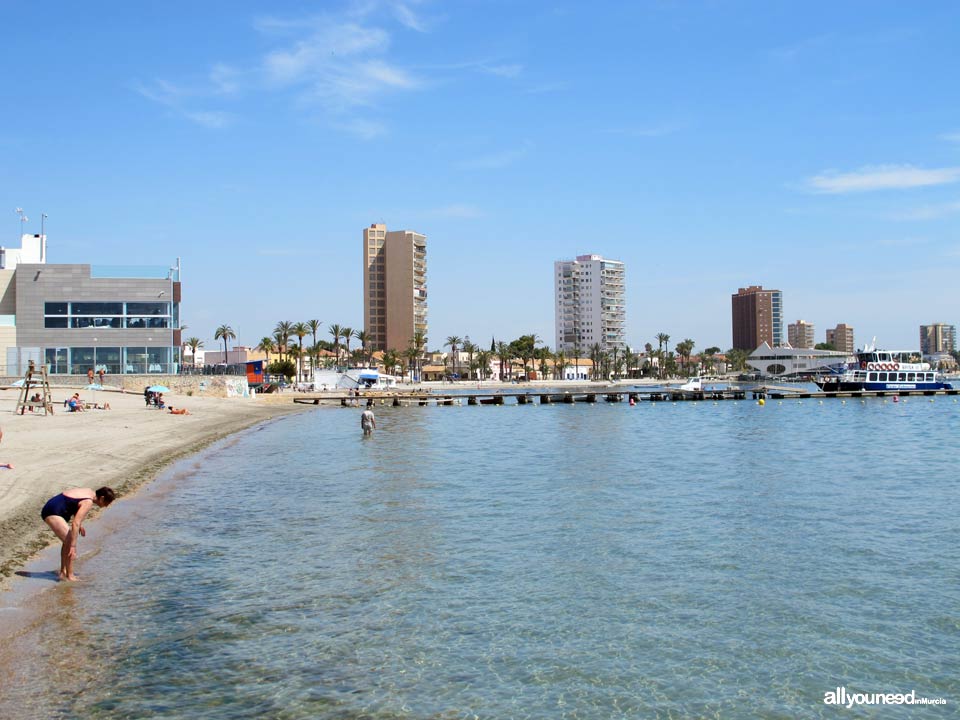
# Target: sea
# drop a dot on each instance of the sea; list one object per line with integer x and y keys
{"x": 667, "y": 560}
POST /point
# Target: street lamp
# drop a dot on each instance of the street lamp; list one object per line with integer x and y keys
{"x": 23, "y": 219}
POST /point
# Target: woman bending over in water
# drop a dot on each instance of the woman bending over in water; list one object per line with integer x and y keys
{"x": 65, "y": 513}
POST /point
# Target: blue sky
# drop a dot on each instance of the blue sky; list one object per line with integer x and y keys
{"x": 810, "y": 147}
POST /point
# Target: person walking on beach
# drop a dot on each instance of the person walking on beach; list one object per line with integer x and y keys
{"x": 100, "y": 374}
{"x": 64, "y": 514}
{"x": 90, "y": 376}
{"x": 368, "y": 422}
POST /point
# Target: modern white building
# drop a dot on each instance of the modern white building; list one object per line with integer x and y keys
{"x": 785, "y": 361}
{"x": 590, "y": 304}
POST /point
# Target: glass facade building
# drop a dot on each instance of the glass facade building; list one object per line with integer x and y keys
{"x": 75, "y": 318}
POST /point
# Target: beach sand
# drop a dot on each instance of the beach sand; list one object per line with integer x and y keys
{"x": 122, "y": 447}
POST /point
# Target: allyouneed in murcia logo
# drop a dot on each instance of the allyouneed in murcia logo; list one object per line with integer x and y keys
{"x": 840, "y": 696}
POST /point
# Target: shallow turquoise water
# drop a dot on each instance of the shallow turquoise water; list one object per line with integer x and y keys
{"x": 568, "y": 561}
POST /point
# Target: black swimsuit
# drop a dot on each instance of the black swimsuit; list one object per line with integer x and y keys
{"x": 62, "y": 505}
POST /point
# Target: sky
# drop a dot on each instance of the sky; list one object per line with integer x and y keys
{"x": 808, "y": 147}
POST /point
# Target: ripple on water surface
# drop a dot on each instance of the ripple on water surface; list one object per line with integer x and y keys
{"x": 668, "y": 560}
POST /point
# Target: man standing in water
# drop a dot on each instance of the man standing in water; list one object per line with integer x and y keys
{"x": 368, "y": 422}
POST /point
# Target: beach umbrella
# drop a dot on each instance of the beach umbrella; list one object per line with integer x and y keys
{"x": 94, "y": 386}
{"x": 158, "y": 388}
{"x": 18, "y": 383}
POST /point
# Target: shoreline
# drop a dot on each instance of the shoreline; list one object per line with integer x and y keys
{"x": 125, "y": 448}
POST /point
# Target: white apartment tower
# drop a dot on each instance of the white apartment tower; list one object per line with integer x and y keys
{"x": 590, "y": 304}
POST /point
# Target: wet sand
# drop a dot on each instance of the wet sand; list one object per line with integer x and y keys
{"x": 122, "y": 447}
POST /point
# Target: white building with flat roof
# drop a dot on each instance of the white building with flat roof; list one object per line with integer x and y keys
{"x": 590, "y": 303}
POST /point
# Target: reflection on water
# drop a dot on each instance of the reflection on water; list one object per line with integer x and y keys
{"x": 671, "y": 560}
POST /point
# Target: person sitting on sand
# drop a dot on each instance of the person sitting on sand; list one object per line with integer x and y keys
{"x": 74, "y": 403}
{"x": 179, "y": 411}
{"x": 64, "y": 515}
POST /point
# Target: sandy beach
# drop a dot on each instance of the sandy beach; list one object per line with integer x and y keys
{"x": 123, "y": 448}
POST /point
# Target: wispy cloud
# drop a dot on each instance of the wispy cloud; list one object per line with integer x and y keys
{"x": 929, "y": 212}
{"x": 547, "y": 87}
{"x": 180, "y": 99}
{"x": 881, "y": 177}
{"x": 209, "y": 119}
{"x": 497, "y": 160}
{"x": 362, "y": 128}
{"x": 953, "y": 137}
{"x": 507, "y": 71}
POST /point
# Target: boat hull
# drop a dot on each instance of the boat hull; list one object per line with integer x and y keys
{"x": 848, "y": 386}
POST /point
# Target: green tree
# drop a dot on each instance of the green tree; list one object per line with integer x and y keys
{"x": 824, "y": 346}
{"x": 225, "y": 333}
{"x": 737, "y": 359}
{"x": 286, "y": 368}
{"x": 709, "y": 359}
{"x": 346, "y": 333}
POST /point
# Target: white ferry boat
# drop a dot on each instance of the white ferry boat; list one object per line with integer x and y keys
{"x": 884, "y": 370}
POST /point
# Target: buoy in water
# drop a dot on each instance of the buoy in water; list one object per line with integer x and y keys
{"x": 761, "y": 401}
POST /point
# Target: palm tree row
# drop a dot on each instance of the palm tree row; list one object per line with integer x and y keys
{"x": 614, "y": 363}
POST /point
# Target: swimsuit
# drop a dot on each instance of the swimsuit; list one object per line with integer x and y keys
{"x": 62, "y": 505}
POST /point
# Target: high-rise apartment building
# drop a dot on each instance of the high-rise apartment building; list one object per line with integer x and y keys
{"x": 800, "y": 334}
{"x": 590, "y": 304}
{"x": 394, "y": 287}
{"x": 938, "y": 338}
{"x": 757, "y": 318}
{"x": 841, "y": 337}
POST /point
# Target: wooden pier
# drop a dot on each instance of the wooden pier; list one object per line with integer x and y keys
{"x": 609, "y": 395}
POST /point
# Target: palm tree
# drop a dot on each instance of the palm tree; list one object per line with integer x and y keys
{"x": 470, "y": 349}
{"x": 419, "y": 343}
{"x": 505, "y": 356}
{"x": 559, "y": 364}
{"x": 300, "y": 329}
{"x": 453, "y": 342}
{"x": 596, "y": 353}
{"x": 364, "y": 338}
{"x": 336, "y": 331}
{"x": 483, "y": 363}
{"x": 662, "y": 339}
{"x": 282, "y": 333}
{"x": 225, "y": 333}
{"x": 194, "y": 344}
{"x": 411, "y": 354}
{"x": 346, "y": 333}
{"x": 314, "y": 326}
{"x": 684, "y": 350}
{"x": 391, "y": 358}
{"x": 709, "y": 359}
{"x": 266, "y": 346}
{"x": 544, "y": 354}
